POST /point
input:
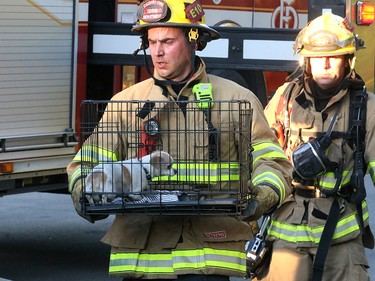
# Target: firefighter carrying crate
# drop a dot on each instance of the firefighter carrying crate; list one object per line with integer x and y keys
{"x": 225, "y": 163}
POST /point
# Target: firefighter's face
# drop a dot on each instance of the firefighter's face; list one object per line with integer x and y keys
{"x": 170, "y": 52}
{"x": 327, "y": 72}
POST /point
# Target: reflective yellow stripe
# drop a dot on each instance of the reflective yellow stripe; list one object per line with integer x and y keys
{"x": 90, "y": 154}
{"x": 94, "y": 154}
{"x": 328, "y": 180}
{"x": 371, "y": 169}
{"x": 204, "y": 172}
{"x": 267, "y": 150}
{"x": 305, "y": 233}
{"x": 79, "y": 173}
{"x": 178, "y": 260}
{"x": 273, "y": 179}
{"x": 76, "y": 174}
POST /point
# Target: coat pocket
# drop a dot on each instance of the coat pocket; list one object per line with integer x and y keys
{"x": 165, "y": 233}
{"x": 292, "y": 210}
{"x": 221, "y": 229}
{"x": 319, "y": 209}
{"x": 128, "y": 232}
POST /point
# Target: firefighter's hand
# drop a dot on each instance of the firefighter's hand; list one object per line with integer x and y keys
{"x": 76, "y": 195}
{"x": 263, "y": 199}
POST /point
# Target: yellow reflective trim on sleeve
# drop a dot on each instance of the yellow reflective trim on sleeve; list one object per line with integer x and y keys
{"x": 204, "y": 172}
{"x": 267, "y": 150}
{"x": 94, "y": 154}
{"x": 273, "y": 179}
{"x": 371, "y": 170}
{"x": 73, "y": 179}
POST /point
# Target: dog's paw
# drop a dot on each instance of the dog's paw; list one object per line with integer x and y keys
{"x": 134, "y": 197}
{"x": 108, "y": 199}
{"x": 91, "y": 200}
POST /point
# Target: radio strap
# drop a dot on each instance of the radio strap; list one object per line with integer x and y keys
{"x": 204, "y": 101}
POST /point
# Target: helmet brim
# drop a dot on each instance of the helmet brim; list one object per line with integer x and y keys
{"x": 207, "y": 31}
{"x": 339, "y": 52}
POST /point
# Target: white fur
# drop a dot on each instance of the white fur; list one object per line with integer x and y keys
{"x": 126, "y": 177}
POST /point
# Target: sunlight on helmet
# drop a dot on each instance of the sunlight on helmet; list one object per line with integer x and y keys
{"x": 327, "y": 35}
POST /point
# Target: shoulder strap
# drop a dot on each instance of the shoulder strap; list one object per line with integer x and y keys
{"x": 284, "y": 109}
{"x": 358, "y": 106}
{"x": 284, "y": 106}
{"x": 357, "y": 118}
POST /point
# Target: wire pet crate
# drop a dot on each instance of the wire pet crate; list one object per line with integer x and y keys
{"x": 125, "y": 163}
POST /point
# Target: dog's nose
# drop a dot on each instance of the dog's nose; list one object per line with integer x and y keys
{"x": 175, "y": 171}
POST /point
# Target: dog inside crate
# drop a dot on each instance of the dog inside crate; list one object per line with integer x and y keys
{"x": 169, "y": 156}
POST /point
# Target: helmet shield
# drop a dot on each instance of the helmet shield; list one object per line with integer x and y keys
{"x": 327, "y": 35}
{"x": 173, "y": 13}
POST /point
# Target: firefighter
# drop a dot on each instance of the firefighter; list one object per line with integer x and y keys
{"x": 186, "y": 247}
{"x": 328, "y": 124}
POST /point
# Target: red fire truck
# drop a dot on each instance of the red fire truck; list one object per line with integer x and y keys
{"x": 56, "y": 53}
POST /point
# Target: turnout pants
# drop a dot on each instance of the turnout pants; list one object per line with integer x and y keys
{"x": 345, "y": 262}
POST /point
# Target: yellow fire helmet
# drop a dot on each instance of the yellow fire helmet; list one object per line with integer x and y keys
{"x": 327, "y": 35}
{"x": 175, "y": 13}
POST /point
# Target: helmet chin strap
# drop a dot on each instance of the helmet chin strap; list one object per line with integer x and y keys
{"x": 352, "y": 63}
{"x": 193, "y": 39}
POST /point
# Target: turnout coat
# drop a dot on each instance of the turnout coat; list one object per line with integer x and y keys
{"x": 150, "y": 247}
{"x": 300, "y": 221}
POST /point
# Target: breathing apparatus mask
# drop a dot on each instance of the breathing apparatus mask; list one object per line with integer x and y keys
{"x": 310, "y": 160}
